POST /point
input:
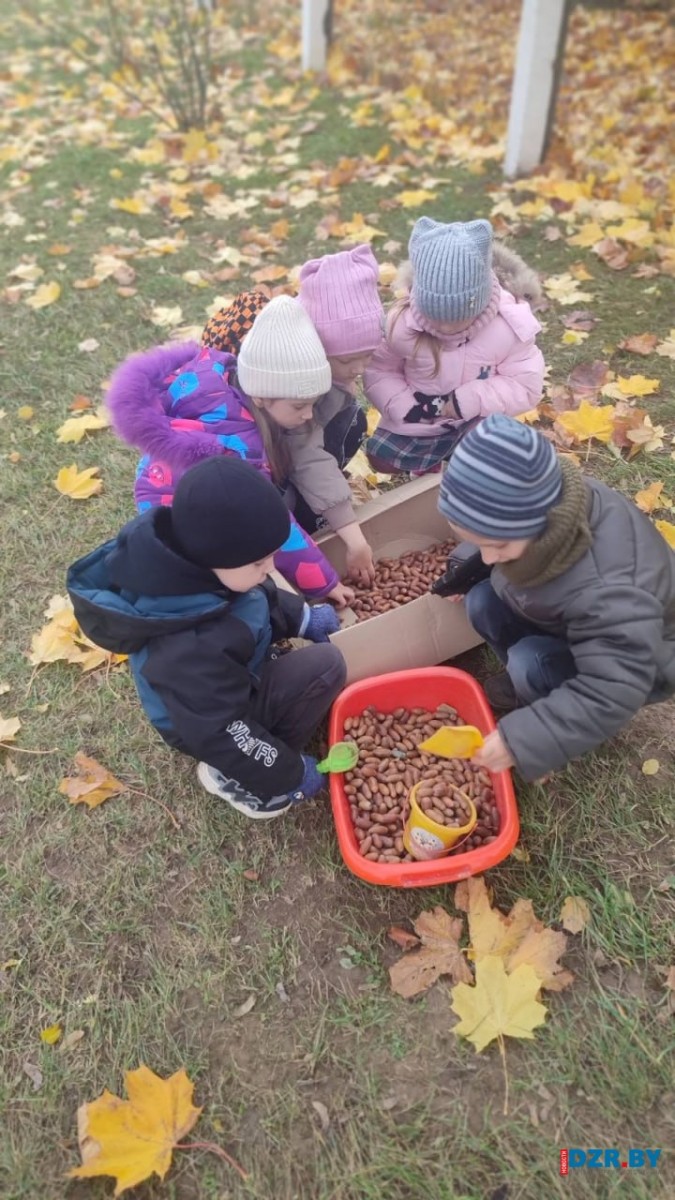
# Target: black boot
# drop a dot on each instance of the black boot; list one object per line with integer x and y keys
{"x": 501, "y": 692}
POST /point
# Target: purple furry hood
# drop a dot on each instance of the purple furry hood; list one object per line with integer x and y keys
{"x": 153, "y": 393}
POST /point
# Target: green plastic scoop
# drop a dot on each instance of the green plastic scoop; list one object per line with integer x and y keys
{"x": 341, "y": 757}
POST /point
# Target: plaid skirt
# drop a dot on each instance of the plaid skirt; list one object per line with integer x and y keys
{"x": 388, "y": 452}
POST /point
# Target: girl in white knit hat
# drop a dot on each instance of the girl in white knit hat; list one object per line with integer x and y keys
{"x": 458, "y": 347}
{"x": 181, "y": 404}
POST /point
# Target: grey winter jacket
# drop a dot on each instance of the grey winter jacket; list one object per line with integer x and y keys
{"x": 314, "y": 472}
{"x": 615, "y": 607}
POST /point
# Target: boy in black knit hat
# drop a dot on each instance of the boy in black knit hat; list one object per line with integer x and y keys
{"x": 185, "y": 591}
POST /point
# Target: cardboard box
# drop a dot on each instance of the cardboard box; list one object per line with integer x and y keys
{"x": 424, "y": 632}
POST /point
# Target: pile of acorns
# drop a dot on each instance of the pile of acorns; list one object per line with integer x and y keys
{"x": 389, "y": 766}
{"x": 400, "y": 580}
{"x": 443, "y": 804}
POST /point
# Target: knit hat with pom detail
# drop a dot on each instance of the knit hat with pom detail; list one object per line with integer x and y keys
{"x": 339, "y": 293}
{"x": 502, "y": 480}
{"x": 282, "y": 357}
{"x": 226, "y": 514}
{"x": 228, "y": 327}
{"x": 452, "y": 268}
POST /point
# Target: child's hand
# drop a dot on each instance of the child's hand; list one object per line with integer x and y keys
{"x": 454, "y": 599}
{"x": 494, "y": 754}
{"x": 360, "y": 564}
{"x": 341, "y": 595}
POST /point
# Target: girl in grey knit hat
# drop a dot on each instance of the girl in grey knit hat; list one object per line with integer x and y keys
{"x": 459, "y": 346}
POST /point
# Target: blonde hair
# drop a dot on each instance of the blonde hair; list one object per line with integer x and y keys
{"x": 274, "y": 443}
{"x": 423, "y": 341}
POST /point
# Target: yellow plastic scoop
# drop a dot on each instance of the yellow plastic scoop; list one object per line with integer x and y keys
{"x": 453, "y": 741}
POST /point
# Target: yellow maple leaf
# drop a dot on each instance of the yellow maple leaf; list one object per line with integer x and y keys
{"x": 632, "y": 230}
{"x": 575, "y": 914}
{"x": 498, "y": 1005}
{"x": 415, "y": 198}
{"x": 61, "y": 640}
{"x": 134, "y": 1139}
{"x": 74, "y": 429}
{"x": 357, "y": 230}
{"x": 667, "y": 530}
{"x": 131, "y": 204}
{"x": 78, "y": 485}
{"x": 9, "y": 727}
{"x": 649, "y": 498}
{"x": 51, "y": 1034}
{"x": 588, "y": 421}
{"x": 588, "y": 235}
{"x": 573, "y": 337}
{"x": 517, "y": 937}
{"x": 92, "y": 785}
{"x": 564, "y": 289}
{"x": 25, "y": 413}
{"x": 638, "y": 385}
{"x": 46, "y": 294}
{"x": 180, "y": 209}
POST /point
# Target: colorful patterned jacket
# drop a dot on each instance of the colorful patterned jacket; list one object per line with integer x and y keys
{"x": 178, "y": 405}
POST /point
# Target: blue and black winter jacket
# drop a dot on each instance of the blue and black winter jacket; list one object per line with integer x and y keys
{"x": 196, "y": 649}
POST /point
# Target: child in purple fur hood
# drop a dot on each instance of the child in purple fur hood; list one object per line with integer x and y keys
{"x": 181, "y": 404}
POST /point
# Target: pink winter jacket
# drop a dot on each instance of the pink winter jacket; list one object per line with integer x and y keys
{"x": 493, "y": 366}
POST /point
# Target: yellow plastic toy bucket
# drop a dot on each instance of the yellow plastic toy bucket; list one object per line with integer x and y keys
{"x": 426, "y": 839}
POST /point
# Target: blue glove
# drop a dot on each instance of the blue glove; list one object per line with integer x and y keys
{"x": 323, "y": 620}
{"x": 311, "y": 782}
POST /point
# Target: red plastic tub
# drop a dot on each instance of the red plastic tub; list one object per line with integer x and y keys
{"x": 424, "y": 688}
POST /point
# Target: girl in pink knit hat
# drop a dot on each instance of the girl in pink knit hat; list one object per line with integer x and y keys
{"x": 339, "y": 293}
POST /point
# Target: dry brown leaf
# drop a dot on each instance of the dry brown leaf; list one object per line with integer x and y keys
{"x": 403, "y": 938}
{"x": 612, "y": 253}
{"x": 92, "y": 785}
{"x": 639, "y": 343}
{"x": 575, "y": 914}
{"x": 439, "y": 955}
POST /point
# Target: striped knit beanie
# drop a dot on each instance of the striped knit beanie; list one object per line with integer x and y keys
{"x": 501, "y": 481}
{"x": 227, "y": 328}
{"x": 339, "y": 293}
{"x": 282, "y": 357}
{"x": 452, "y": 268}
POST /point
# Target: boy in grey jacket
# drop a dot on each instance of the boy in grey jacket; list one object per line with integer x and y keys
{"x": 580, "y": 600}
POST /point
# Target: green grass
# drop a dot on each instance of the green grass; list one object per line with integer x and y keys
{"x": 149, "y": 938}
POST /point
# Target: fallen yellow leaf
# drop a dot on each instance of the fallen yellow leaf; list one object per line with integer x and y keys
{"x": 51, "y": 1034}
{"x": 575, "y": 914}
{"x": 92, "y": 785}
{"x": 573, "y": 337}
{"x": 667, "y": 530}
{"x": 134, "y": 1139}
{"x": 25, "y": 413}
{"x": 416, "y": 198}
{"x": 648, "y": 499}
{"x": 499, "y": 1005}
{"x": 74, "y": 429}
{"x": 638, "y": 385}
{"x": 9, "y": 727}
{"x": 651, "y": 766}
{"x": 46, "y": 294}
{"x": 78, "y": 485}
{"x": 588, "y": 421}
{"x": 517, "y": 938}
{"x": 131, "y": 204}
